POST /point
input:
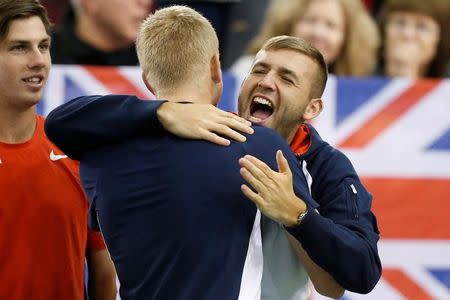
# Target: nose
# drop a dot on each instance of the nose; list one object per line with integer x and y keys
{"x": 408, "y": 32}
{"x": 37, "y": 59}
{"x": 267, "y": 82}
{"x": 319, "y": 30}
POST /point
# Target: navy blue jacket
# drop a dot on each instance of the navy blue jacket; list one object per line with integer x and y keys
{"x": 342, "y": 239}
{"x": 171, "y": 210}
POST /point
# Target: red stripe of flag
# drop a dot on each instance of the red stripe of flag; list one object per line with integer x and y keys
{"x": 389, "y": 114}
{"x": 411, "y": 208}
{"x": 405, "y": 285}
{"x": 115, "y": 81}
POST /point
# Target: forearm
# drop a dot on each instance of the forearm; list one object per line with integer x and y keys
{"x": 323, "y": 282}
{"x": 86, "y": 123}
{"x": 349, "y": 256}
{"x": 102, "y": 277}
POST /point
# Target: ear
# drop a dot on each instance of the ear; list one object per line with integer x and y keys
{"x": 147, "y": 84}
{"x": 313, "y": 109}
{"x": 216, "y": 72}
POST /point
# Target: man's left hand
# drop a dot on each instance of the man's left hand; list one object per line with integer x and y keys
{"x": 273, "y": 191}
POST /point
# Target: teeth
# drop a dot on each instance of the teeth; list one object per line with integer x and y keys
{"x": 262, "y": 101}
{"x": 34, "y": 80}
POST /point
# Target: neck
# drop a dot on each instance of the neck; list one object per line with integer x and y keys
{"x": 291, "y": 135}
{"x": 97, "y": 37}
{"x": 191, "y": 93}
{"x": 17, "y": 127}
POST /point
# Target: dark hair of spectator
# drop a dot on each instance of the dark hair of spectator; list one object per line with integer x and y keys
{"x": 439, "y": 11}
{"x": 11, "y": 10}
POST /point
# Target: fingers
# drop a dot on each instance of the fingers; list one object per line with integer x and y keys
{"x": 214, "y": 138}
{"x": 263, "y": 167}
{"x": 227, "y": 132}
{"x": 257, "y": 199}
{"x": 283, "y": 165}
{"x": 238, "y": 123}
{"x": 253, "y": 177}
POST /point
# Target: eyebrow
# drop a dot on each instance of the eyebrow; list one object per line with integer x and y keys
{"x": 47, "y": 39}
{"x": 261, "y": 64}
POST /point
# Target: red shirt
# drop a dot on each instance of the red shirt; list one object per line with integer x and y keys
{"x": 43, "y": 222}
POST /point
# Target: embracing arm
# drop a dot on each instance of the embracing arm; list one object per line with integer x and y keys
{"x": 323, "y": 282}
{"x": 86, "y": 123}
{"x": 331, "y": 240}
{"x": 89, "y": 122}
{"x": 277, "y": 200}
{"x": 345, "y": 247}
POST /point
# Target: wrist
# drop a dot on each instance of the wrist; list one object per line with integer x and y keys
{"x": 296, "y": 218}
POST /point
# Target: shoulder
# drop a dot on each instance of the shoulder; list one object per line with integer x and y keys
{"x": 266, "y": 137}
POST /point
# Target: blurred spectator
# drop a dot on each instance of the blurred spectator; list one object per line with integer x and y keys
{"x": 55, "y": 9}
{"x": 373, "y": 6}
{"x": 244, "y": 23}
{"x": 415, "y": 35}
{"x": 342, "y": 30}
{"x": 217, "y": 12}
{"x": 99, "y": 32}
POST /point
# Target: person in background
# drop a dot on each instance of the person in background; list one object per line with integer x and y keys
{"x": 99, "y": 32}
{"x": 55, "y": 9}
{"x": 415, "y": 38}
{"x": 217, "y": 12}
{"x": 342, "y": 30}
{"x": 44, "y": 237}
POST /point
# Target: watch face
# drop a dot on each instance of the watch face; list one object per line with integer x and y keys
{"x": 301, "y": 216}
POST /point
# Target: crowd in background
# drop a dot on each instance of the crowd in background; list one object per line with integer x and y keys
{"x": 407, "y": 38}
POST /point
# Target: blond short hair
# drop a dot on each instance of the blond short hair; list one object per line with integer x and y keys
{"x": 301, "y": 46}
{"x": 174, "y": 46}
{"x": 358, "y": 56}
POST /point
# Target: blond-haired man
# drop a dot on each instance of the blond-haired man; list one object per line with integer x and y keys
{"x": 171, "y": 210}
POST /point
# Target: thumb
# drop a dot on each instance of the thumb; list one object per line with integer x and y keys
{"x": 283, "y": 166}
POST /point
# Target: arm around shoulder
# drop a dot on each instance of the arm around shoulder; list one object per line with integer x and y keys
{"x": 86, "y": 123}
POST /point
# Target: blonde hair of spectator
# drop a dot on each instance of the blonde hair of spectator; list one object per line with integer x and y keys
{"x": 301, "y": 46}
{"x": 358, "y": 56}
{"x": 175, "y": 46}
{"x": 438, "y": 10}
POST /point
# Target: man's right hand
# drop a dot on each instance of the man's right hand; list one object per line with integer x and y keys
{"x": 203, "y": 122}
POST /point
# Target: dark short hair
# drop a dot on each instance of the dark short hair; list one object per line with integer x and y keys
{"x": 439, "y": 11}
{"x": 285, "y": 42}
{"x": 11, "y": 10}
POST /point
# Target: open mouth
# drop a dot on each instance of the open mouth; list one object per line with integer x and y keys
{"x": 34, "y": 80}
{"x": 261, "y": 108}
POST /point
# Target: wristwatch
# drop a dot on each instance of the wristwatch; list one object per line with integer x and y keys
{"x": 301, "y": 216}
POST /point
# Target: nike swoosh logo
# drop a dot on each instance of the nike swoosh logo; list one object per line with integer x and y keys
{"x": 55, "y": 157}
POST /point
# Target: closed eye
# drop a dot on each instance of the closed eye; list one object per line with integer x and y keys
{"x": 258, "y": 71}
{"x": 288, "y": 80}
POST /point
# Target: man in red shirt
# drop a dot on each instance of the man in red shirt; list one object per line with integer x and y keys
{"x": 44, "y": 238}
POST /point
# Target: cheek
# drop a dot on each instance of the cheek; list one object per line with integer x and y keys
{"x": 335, "y": 41}
{"x": 429, "y": 48}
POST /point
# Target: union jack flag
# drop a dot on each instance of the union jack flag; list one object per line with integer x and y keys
{"x": 396, "y": 133}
